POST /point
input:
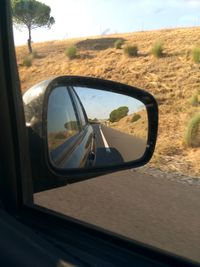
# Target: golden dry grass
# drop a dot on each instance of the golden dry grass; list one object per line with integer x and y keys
{"x": 172, "y": 79}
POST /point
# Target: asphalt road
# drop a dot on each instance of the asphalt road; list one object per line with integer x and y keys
{"x": 153, "y": 210}
{"x": 114, "y": 147}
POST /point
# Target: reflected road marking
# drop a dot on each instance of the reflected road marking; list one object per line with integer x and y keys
{"x": 104, "y": 141}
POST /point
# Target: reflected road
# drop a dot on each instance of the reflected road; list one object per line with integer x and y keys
{"x": 113, "y": 146}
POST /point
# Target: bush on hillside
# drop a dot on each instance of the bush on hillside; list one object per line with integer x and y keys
{"x": 27, "y": 62}
{"x": 192, "y": 135}
{"x": 196, "y": 54}
{"x": 71, "y": 52}
{"x": 34, "y": 54}
{"x": 118, "y": 114}
{"x": 135, "y": 117}
{"x": 131, "y": 50}
{"x": 118, "y": 44}
{"x": 194, "y": 100}
{"x": 157, "y": 50}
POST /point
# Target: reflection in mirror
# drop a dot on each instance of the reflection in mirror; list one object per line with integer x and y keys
{"x": 88, "y": 128}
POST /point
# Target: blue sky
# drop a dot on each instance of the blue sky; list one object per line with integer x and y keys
{"x": 77, "y": 18}
{"x": 98, "y": 104}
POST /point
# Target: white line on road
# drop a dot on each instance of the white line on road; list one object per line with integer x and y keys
{"x": 104, "y": 140}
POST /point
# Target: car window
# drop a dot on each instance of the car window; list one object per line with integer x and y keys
{"x": 153, "y": 45}
{"x": 62, "y": 119}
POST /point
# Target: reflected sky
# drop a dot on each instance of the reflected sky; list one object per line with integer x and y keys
{"x": 99, "y": 104}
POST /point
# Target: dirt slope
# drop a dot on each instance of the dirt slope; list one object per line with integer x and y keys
{"x": 172, "y": 79}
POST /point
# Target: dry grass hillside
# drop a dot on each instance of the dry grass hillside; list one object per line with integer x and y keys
{"x": 172, "y": 79}
{"x": 130, "y": 124}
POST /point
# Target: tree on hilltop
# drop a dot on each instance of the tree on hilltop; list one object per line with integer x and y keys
{"x": 118, "y": 114}
{"x": 31, "y": 14}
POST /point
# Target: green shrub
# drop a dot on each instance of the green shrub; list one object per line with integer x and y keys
{"x": 131, "y": 50}
{"x": 118, "y": 44}
{"x": 194, "y": 100}
{"x": 157, "y": 50}
{"x": 196, "y": 54}
{"x": 118, "y": 114}
{"x": 34, "y": 54}
{"x": 28, "y": 60}
{"x": 135, "y": 117}
{"x": 192, "y": 135}
{"x": 71, "y": 52}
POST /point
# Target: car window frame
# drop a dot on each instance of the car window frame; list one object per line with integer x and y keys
{"x": 16, "y": 164}
{"x": 17, "y": 198}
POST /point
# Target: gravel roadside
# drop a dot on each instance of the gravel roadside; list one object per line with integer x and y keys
{"x": 172, "y": 176}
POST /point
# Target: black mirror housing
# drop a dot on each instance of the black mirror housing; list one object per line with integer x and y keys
{"x": 48, "y": 175}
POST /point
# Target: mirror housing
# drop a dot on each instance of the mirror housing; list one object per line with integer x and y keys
{"x": 48, "y": 175}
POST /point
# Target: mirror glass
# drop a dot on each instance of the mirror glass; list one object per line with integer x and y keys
{"x": 88, "y": 128}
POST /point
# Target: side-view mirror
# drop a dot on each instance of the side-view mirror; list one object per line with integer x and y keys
{"x": 83, "y": 127}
